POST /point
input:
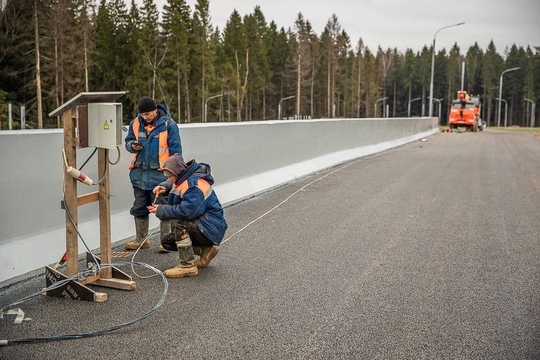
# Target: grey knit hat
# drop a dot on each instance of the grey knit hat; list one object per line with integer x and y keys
{"x": 174, "y": 166}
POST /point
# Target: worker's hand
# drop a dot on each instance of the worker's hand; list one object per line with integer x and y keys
{"x": 158, "y": 190}
{"x": 152, "y": 208}
{"x": 136, "y": 146}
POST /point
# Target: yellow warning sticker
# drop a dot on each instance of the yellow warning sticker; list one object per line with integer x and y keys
{"x": 106, "y": 125}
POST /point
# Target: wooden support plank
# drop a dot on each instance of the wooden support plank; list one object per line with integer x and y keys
{"x": 116, "y": 284}
{"x": 70, "y": 193}
{"x": 100, "y": 297}
{"x": 104, "y": 213}
{"x": 90, "y": 279}
{"x": 88, "y": 198}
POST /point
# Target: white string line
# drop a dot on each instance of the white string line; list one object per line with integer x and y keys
{"x": 290, "y": 196}
{"x": 136, "y": 251}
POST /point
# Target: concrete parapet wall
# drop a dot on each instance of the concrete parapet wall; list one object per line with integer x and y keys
{"x": 247, "y": 158}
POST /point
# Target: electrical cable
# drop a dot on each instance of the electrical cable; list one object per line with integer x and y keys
{"x": 135, "y": 253}
{"x": 118, "y": 159}
{"x": 109, "y": 161}
{"x": 88, "y": 159}
{"x": 80, "y": 236}
{"x": 106, "y": 167}
{"x": 97, "y": 332}
{"x": 90, "y": 272}
{"x": 52, "y": 287}
{"x": 158, "y": 272}
{"x": 67, "y": 211}
{"x": 81, "y": 176}
{"x": 76, "y": 173}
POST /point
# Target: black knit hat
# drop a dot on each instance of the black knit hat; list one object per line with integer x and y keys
{"x": 146, "y": 104}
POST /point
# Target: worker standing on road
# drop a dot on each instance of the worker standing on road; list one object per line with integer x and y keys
{"x": 199, "y": 221}
{"x": 153, "y": 137}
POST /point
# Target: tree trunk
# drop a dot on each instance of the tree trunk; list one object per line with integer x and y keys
{"x": 312, "y": 91}
{"x": 358, "y": 84}
{"x": 38, "y": 71}
{"x": 188, "y": 107}
{"x": 329, "y": 86}
{"x": 298, "y": 85}
{"x": 179, "y": 94}
{"x": 238, "y": 106}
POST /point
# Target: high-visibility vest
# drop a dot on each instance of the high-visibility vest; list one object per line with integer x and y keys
{"x": 202, "y": 184}
{"x": 164, "y": 153}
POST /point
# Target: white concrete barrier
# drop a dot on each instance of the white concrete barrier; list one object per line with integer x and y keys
{"x": 247, "y": 158}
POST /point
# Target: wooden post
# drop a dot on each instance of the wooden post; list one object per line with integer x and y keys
{"x": 70, "y": 194}
{"x": 104, "y": 213}
{"x": 110, "y": 276}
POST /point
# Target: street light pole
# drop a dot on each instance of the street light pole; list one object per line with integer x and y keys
{"x": 409, "y": 106}
{"x": 500, "y": 94}
{"x": 206, "y": 105}
{"x": 505, "y": 109}
{"x": 433, "y": 66}
{"x": 439, "y": 102}
{"x": 279, "y": 105}
{"x": 533, "y": 110}
{"x": 375, "y": 106}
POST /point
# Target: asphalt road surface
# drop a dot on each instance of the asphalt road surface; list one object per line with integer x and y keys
{"x": 427, "y": 251}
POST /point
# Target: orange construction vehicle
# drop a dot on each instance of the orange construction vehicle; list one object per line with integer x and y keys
{"x": 465, "y": 113}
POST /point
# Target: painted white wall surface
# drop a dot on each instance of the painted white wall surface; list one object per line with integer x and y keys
{"x": 247, "y": 158}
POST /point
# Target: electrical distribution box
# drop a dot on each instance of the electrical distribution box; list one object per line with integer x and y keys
{"x": 105, "y": 125}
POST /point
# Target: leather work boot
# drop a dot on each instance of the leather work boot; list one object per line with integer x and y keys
{"x": 141, "y": 231}
{"x": 134, "y": 245}
{"x": 180, "y": 271}
{"x": 207, "y": 254}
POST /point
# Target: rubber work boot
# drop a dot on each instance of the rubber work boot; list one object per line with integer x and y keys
{"x": 141, "y": 231}
{"x": 197, "y": 250}
{"x": 207, "y": 254}
{"x": 187, "y": 258}
{"x": 164, "y": 230}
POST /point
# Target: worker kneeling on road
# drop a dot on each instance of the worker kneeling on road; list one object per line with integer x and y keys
{"x": 199, "y": 223}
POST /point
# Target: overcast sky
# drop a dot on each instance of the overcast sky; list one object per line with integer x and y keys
{"x": 401, "y": 24}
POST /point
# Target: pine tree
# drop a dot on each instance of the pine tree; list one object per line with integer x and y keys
{"x": 177, "y": 26}
{"x": 235, "y": 48}
{"x": 201, "y": 56}
{"x": 491, "y": 71}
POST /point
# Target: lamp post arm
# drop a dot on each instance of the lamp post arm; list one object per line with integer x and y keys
{"x": 279, "y": 105}
{"x": 206, "y": 105}
{"x": 409, "y": 106}
{"x": 500, "y": 93}
{"x": 446, "y": 27}
{"x": 433, "y": 66}
{"x": 375, "y": 106}
{"x": 533, "y": 108}
{"x": 213, "y": 97}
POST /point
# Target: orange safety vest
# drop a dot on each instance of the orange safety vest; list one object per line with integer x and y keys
{"x": 202, "y": 184}
{"x": 164, "y": 153}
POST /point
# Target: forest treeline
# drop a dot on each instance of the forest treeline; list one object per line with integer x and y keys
{"x": 51, "y": 50}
